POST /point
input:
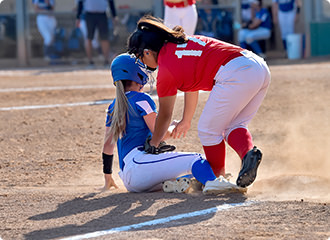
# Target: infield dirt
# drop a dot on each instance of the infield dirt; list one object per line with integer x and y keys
{"x": 50, "y": 163}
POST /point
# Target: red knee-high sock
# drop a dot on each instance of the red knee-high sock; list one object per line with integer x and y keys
{"x": 215, "y": 155}
{"x": 240, "y": 140}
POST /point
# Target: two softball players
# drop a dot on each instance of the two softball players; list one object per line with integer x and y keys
{"x": 130, "y": 120}
{"x": 236, "y": 78}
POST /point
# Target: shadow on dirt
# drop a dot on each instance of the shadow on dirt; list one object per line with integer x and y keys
{"x": 130, "y": 208}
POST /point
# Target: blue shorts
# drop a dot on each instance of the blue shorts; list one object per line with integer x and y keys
{"x": 99, "y": 21}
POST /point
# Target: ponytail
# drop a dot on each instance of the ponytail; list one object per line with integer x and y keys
{"x": 119, "y": 114}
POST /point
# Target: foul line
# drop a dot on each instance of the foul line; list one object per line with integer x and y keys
{"x": 65, "y": 104}
{"x": 56, "y": 105}
{"x": 33, "y": 89}
{"x": 158, "y": 221}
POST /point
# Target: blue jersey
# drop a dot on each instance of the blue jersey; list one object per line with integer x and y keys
{"x": 265, "y": 18}
{"x": 285, "y": 5}
{"x": 136, "y": 131}
{"x": 245, "y": 4}
{"x": 43, "y": 5}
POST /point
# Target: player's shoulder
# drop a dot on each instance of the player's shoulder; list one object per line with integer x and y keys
{"x": 138, "y": 96}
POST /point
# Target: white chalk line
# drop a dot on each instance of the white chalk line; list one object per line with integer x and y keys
{"x": 159, "y": 221}
{"x": 31, "y": 107}
{"x": 34, "y": 89}
{"x": 57, "y": 105}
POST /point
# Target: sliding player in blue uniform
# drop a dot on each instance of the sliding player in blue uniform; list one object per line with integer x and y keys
{"x": 130, "y": 121}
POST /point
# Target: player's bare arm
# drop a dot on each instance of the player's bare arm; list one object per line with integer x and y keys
{"x": 150, "y": 120}
{"x": 108, "y": 149}
{"x": 163, "y": 120}
{"x": 255, "y": 23}
{"x": 190, "y": 103}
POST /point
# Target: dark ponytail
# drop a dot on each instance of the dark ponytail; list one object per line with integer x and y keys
{"x": 152, "y": 34}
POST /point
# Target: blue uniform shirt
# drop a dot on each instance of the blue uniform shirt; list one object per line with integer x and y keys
{"x": 265, "y": 18}
{"x": 136, "y": 131}
{"x": 245, "y": 4}
{"x": 285, "y": 5}
{"x": 42, "y": 4}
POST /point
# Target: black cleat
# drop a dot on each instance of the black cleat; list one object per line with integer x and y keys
{"x": 250, "y": 164}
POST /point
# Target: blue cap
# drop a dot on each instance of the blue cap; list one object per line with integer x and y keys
{"x": 127, "y": 67}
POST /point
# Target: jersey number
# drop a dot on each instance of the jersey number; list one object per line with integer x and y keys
{"x": 194, "y": 53}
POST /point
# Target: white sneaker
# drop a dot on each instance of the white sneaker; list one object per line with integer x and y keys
{"x": 221, "y": 185}
{"x": 181, "y": 185}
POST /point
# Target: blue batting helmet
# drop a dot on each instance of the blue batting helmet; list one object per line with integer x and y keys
{"x": 127, "y": 67}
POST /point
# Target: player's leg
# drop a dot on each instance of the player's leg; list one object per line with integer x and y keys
{"x": 242, "y": 37}
{"x": 171, "y": 17}
{"x": 91, "y": 26}
{"x": 103, "y": 31}
{"x": 230, "y": 95}
{"x": 227, "y": 98}
{"x": 189, "y": 19}
{"x": 286, "y": 23}
{"x": 257, "y": 34}
{"x": 148, "y": 171}
{"x": 46, "y": 26}
{"x": 237, "y": 134}
{"x": 216, "y": 155}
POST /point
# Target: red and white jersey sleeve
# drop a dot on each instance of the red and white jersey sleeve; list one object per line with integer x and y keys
{"x": 192, "y": 66}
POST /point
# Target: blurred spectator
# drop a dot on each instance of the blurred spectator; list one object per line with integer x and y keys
{"x": 209, "y": 17}
{"x": 286, "y": 12}
{"x": 216, "y": 22}
{"x": 83, "y": 28}
{"x": 181, "y": 12}
{"x": 46, "y": 23}
{"x": 258, "y": 29}
{"x": 246, "y": 11}
{"x": 96, "y": 18}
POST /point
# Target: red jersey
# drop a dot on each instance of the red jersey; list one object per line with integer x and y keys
{"x": 179, "y": 4}
{"x": 192, "y": 66}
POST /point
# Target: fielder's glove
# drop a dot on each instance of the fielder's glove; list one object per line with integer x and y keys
{"x": 163, "y": 147}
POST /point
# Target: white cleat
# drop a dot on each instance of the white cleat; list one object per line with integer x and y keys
{"x": 181, "y": 185}
{"x": 221, "y": 185}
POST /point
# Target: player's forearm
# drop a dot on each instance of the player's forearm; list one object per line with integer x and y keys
{"x": 190, "y": 103}
{"x": 108, "y": 146}
{"x": 162, "y": 123}
{"x": 255, "y": 24}
{"x": 163, "y": 120}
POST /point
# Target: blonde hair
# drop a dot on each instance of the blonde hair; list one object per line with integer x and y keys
{"x": 119, "y": 113}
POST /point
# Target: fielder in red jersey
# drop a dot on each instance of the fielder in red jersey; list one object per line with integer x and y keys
{"x": 236, "y": 78}
{"x": 192, "y": 66}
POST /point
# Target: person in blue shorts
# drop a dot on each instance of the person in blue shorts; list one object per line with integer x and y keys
{"x": 130, "y": 121}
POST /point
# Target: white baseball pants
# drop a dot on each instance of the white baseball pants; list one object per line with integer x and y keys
{"x": 240, "y": 87}
{"x": 250, "y": 35}
{"x": 286, "y": 21}
{"x": 46, "y": 25}
{"x": 145, "y": 172}
{"x": 185, "y": 16}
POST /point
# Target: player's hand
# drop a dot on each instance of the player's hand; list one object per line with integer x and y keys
{"x": 109, "y": 183}
{"x": 181, "y": 129}
{"x": 170, "y": 130}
